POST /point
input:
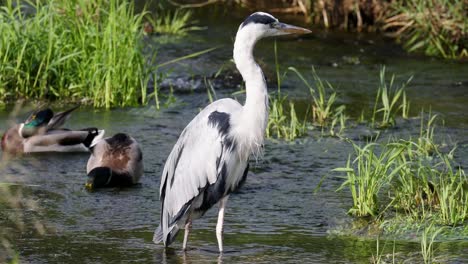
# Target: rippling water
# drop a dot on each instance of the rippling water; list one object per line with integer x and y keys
{"x": 276, "y": 217}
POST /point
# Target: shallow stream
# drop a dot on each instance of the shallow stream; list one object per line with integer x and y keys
{"x": 276, "y": 217}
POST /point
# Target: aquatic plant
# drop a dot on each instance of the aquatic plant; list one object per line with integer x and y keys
{"x": 452, "y": 194}
{"x": 177, "y": 22}
{"x": 324, "y": 109}
{"x": 435, "y": 27}
{"x": 427, "y": 243}
{"x": 426, "y": 141}
{"x": 374, "y": 166}
{"x": 390, "y": 101}
{"x": 78, "y": 50}
{"x": 423, "y": 183}
{"x": 283, "y": 121}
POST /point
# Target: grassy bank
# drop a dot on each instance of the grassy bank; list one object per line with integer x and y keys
{"x": 72, "y": 50}
{"x": 433, "y": 27}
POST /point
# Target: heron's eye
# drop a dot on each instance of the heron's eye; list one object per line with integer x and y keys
{"x": 274, "y": 25}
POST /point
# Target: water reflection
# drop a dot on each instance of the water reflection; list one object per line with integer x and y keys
{"x": 171, "y": 255}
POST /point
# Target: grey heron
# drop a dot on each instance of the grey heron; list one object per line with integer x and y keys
{"x": 210, "y": 159}
{"x": 114, "y": 161}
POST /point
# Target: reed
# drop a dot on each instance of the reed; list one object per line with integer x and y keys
{"x": 423, "y": 183}
{"x": 73, "y": 50}
{"x": 176, "y": 22}
{"x": 324, "y": 108}
{"x": 373, "y": 167}
{"x": 283, "y": 121}
{"x": 434, "y": 27}
{"x": 390, "y": 101}
{"x": 427, "y": 243}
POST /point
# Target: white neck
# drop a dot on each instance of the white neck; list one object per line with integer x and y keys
{"x": 254, "y": 116}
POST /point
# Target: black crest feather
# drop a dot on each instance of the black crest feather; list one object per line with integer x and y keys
{"x": 258, "y": 18}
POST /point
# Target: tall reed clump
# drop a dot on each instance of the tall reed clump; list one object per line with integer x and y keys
{"x": 434, "y": 27}
{"x": 73, "y": 50}
{"x": 389, "y": 102}
{"x": 283, "y": 121}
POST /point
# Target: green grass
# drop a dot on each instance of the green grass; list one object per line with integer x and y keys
{"x": 434, "y": 27}
{"x": 177, "y": 22}
{"x": 373, "y": 167}
{"x": 283, "y": 122}
{"x": 324, "y": 109}
{"x": 390, "y": 102}
{"x": 73, "y": 50}
{"x": 427, "y": 243}
{"x": 421, "y": 182}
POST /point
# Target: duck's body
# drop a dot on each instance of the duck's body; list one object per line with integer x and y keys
{"x": 210, "y": 159}
{"x": 42, "y": 132}
{"x": 115, "y": 161}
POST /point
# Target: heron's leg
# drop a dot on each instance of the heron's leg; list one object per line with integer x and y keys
{"x": 188, "y": 226}
{"x": 219, "y": 226}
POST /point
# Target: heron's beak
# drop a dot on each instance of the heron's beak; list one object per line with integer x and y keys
{"x": 290, "y": 29}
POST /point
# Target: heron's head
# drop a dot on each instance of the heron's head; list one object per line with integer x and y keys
{"x": 262, "y": 25}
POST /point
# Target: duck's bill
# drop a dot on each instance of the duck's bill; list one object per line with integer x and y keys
{"x": 89, "y": 186}
{"x": 290, "y": 29}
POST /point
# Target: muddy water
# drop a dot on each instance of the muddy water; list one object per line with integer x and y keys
{"x": 277, "y": 217}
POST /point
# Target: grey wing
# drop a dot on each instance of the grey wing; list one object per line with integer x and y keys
{"x": 98, "y": 151}
{"x": 135, "y": 164}
{"x": 200, "y": 157}
{"x": 60, "y": 118}
{"x": 60, "y": 141}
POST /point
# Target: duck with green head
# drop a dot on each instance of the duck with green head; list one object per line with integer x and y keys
{"x": 43, "y": 132}
{"x": 115, "y": 161}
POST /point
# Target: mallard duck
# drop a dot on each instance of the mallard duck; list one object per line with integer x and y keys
{"x": 115, "y": 161}
{"x": 42, "y": 132}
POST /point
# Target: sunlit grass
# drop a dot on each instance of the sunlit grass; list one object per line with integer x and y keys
{"x": 422, "y": 182}
{"x": 427, "y": 243}
{"x": 283, "y": 122}
{"x": 434, "y": 27}
{"x": 390, "y": 102}
{"x": 373, "y": 167}
{"x": 73, "y": 50}
{"x": 177, "y": 22}
{"x": 324, "y": 109}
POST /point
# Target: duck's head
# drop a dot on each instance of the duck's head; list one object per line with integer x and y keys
{"x": 260, "y": 24}
{"x": 35, "y": 122}
{"x": 102, "y": 177}
{"x": 98, "y": 178}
